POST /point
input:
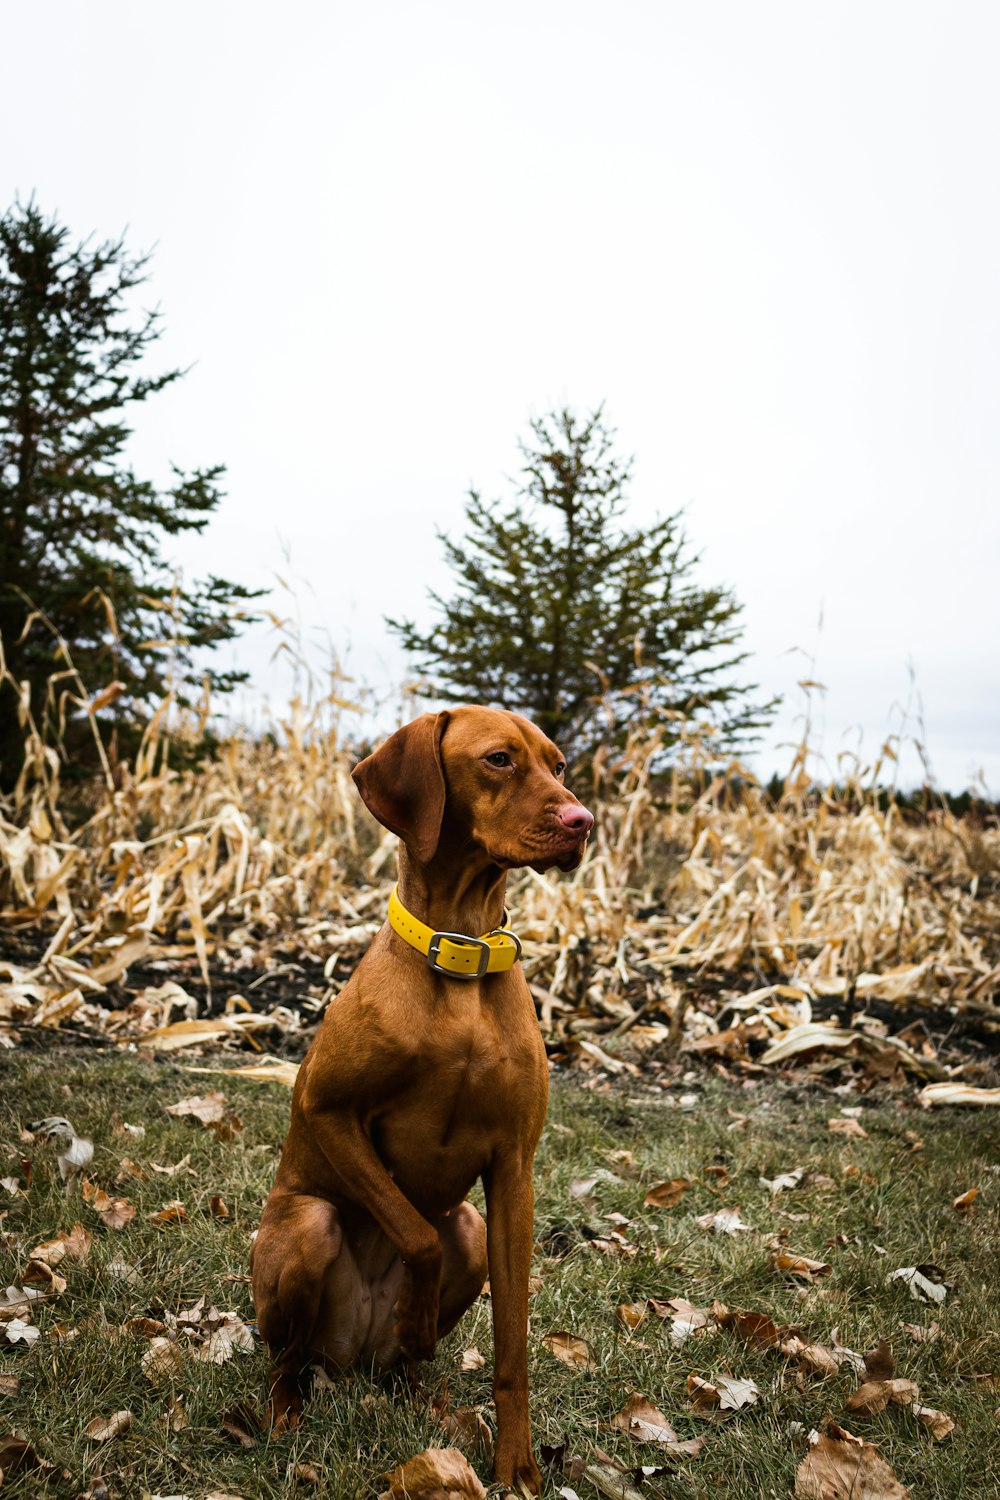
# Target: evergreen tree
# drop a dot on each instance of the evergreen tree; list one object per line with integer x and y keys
{"x": 564, "y": 613}
{"x": 80, "y": 531}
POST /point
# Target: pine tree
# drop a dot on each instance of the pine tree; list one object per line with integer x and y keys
{"x": 563, "y": 612}
{"x": 80, "y": 531}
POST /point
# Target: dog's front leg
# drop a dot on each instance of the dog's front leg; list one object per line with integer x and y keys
{"x": 361, "y": 1177}
{"x": 509, "y": 1220}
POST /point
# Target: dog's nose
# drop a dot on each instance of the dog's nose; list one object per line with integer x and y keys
{"x": 575, "y": 817}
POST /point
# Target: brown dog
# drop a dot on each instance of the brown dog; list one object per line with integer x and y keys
{"x": 419, "y": 1083}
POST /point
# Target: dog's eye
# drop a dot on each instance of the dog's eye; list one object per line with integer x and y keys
{"x": 498, "y": 758}
{"x": 560, "y": 767}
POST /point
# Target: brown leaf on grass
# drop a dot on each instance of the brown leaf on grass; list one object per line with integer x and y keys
{"x": 464, "y": 1425}
{"x": 9, "y": 1385}
{"x": 721, "y": 1394}
{"x": 306, "y": 1473}
{"x": 130, "y": 1168}
{"x": 207, "y": 1109}
{"x": 921, "y": 1334}
{"x": 717, "y": 1174}
{"x": 726, "y": 1221}
{"x": 162, "y": 1362}
{"x": 816, "y": 1358}
{"x": 73, "y": 1244}
{"x": 789, "y": 1264}
{"x": 114, "y": 1213}
{"x": 173, "y": 1212}
{"x": 667, "y": 1194}
{"x": 939, "y": 1424}
{"x": 217, "y": 1207}
{"x": 177, "y": 1417}
{"x": 840, "y": 1125}
{"x": 839, "y": 1465}
{"x": 754, "y": 1328}
{"x": 432, "y": 1475}
{"x": 40, "y": 1273}
{"x": 573, "y": 1351}
{"x": 242, "y": 1424}
{"x": 472, "y": 1359}
{"x": 232, "y": 1336}
{"x": 17, "y": 1456}
{"x": 631, "y": 1314}
{"x": 875, "y": 1395}
{"x": 143, "y": 1328}
{"x": 174, "y": 1168}
{"x": 879, "y": 1363}
{"x": 645, "y": 1423}
{"x": 102, "y": 1429}
{"x": 965, "y": 1203}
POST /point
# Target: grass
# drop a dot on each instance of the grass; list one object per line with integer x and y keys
{"x": 888, "y": 1205}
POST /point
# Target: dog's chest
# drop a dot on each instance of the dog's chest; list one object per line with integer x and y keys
{"x": 471, "y": 1092}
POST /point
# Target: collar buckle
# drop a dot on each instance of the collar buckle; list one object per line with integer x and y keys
{"x": 463, "y": 940}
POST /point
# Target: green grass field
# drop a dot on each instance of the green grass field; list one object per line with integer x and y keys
{"x": 881, "y": 1201}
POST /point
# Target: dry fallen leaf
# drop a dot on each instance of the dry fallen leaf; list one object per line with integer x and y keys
{"x": 114, "y": 1213}
{"x": 162, "y": 1361}
{"x": 784, "y": 1182}
{"x": 755, "y": 1328}
{"x": 875, "y": 1395}
{"x": 573, "y": 1351}
{"x": 839, "y": 1465}
{"x": 790, "y": 1264}
{"x": 73, "y": 1244}
{"x": 816, "y": 1358}
{"x": 230, "y": 1337}
{"x": 40, "y": 1273}
{"x": 725, "y": 1221}
{"x": 667, "y": 1194}
{"x": 472, "y": 1359}
{"x": 921, "y": 1334}
{"x": 965, "y": 1202}
{"x": 217, "y": 1207}
{"x": 432, "y": 1475}
{"x": 17, "y": 1456}
{"x": 101, "y": 1429}
{"x": 609, "y": 1480}
{"x": 722, "y": 1393}
{"x": 879, "y": 1363}
{"x": 940, "y": 1425}
{"x": 17, "y": 1331}
{"x": 173, "y": 1212}
{"x": 646, "y": 1424}
{"x": 207, "y": 1109}
{"x": 464, "y": 1425}
{"x": 920, "y": 1286}
{"x": 631, "y": 1314}
{"x": 841, "y": 1126}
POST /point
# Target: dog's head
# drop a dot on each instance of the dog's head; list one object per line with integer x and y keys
{"x": 479, "y": 775}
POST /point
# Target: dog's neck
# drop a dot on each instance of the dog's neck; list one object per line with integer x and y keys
{"x": 468, "y": 898}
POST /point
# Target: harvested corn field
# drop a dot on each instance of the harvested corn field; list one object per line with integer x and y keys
{"x": 226, "y": 899}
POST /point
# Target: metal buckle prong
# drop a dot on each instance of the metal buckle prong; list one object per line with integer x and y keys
{"x": 463, "y": 940}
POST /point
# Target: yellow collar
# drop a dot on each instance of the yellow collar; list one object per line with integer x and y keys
{"x": 453, "y": 953}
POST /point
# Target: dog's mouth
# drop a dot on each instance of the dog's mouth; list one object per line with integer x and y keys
{"x": 561, "y": 853}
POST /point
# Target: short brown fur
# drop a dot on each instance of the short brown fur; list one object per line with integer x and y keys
{"x": 419, "y": 1084}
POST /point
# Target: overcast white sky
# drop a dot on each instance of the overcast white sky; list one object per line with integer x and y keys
{"x": 766, "y": 235}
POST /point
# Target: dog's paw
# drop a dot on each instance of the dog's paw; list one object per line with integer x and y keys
{"x": 416, "y": 1322}
{"x": 517, "y": 1472}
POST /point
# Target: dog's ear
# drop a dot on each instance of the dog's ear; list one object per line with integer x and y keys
{"x": 402, "y": 784}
